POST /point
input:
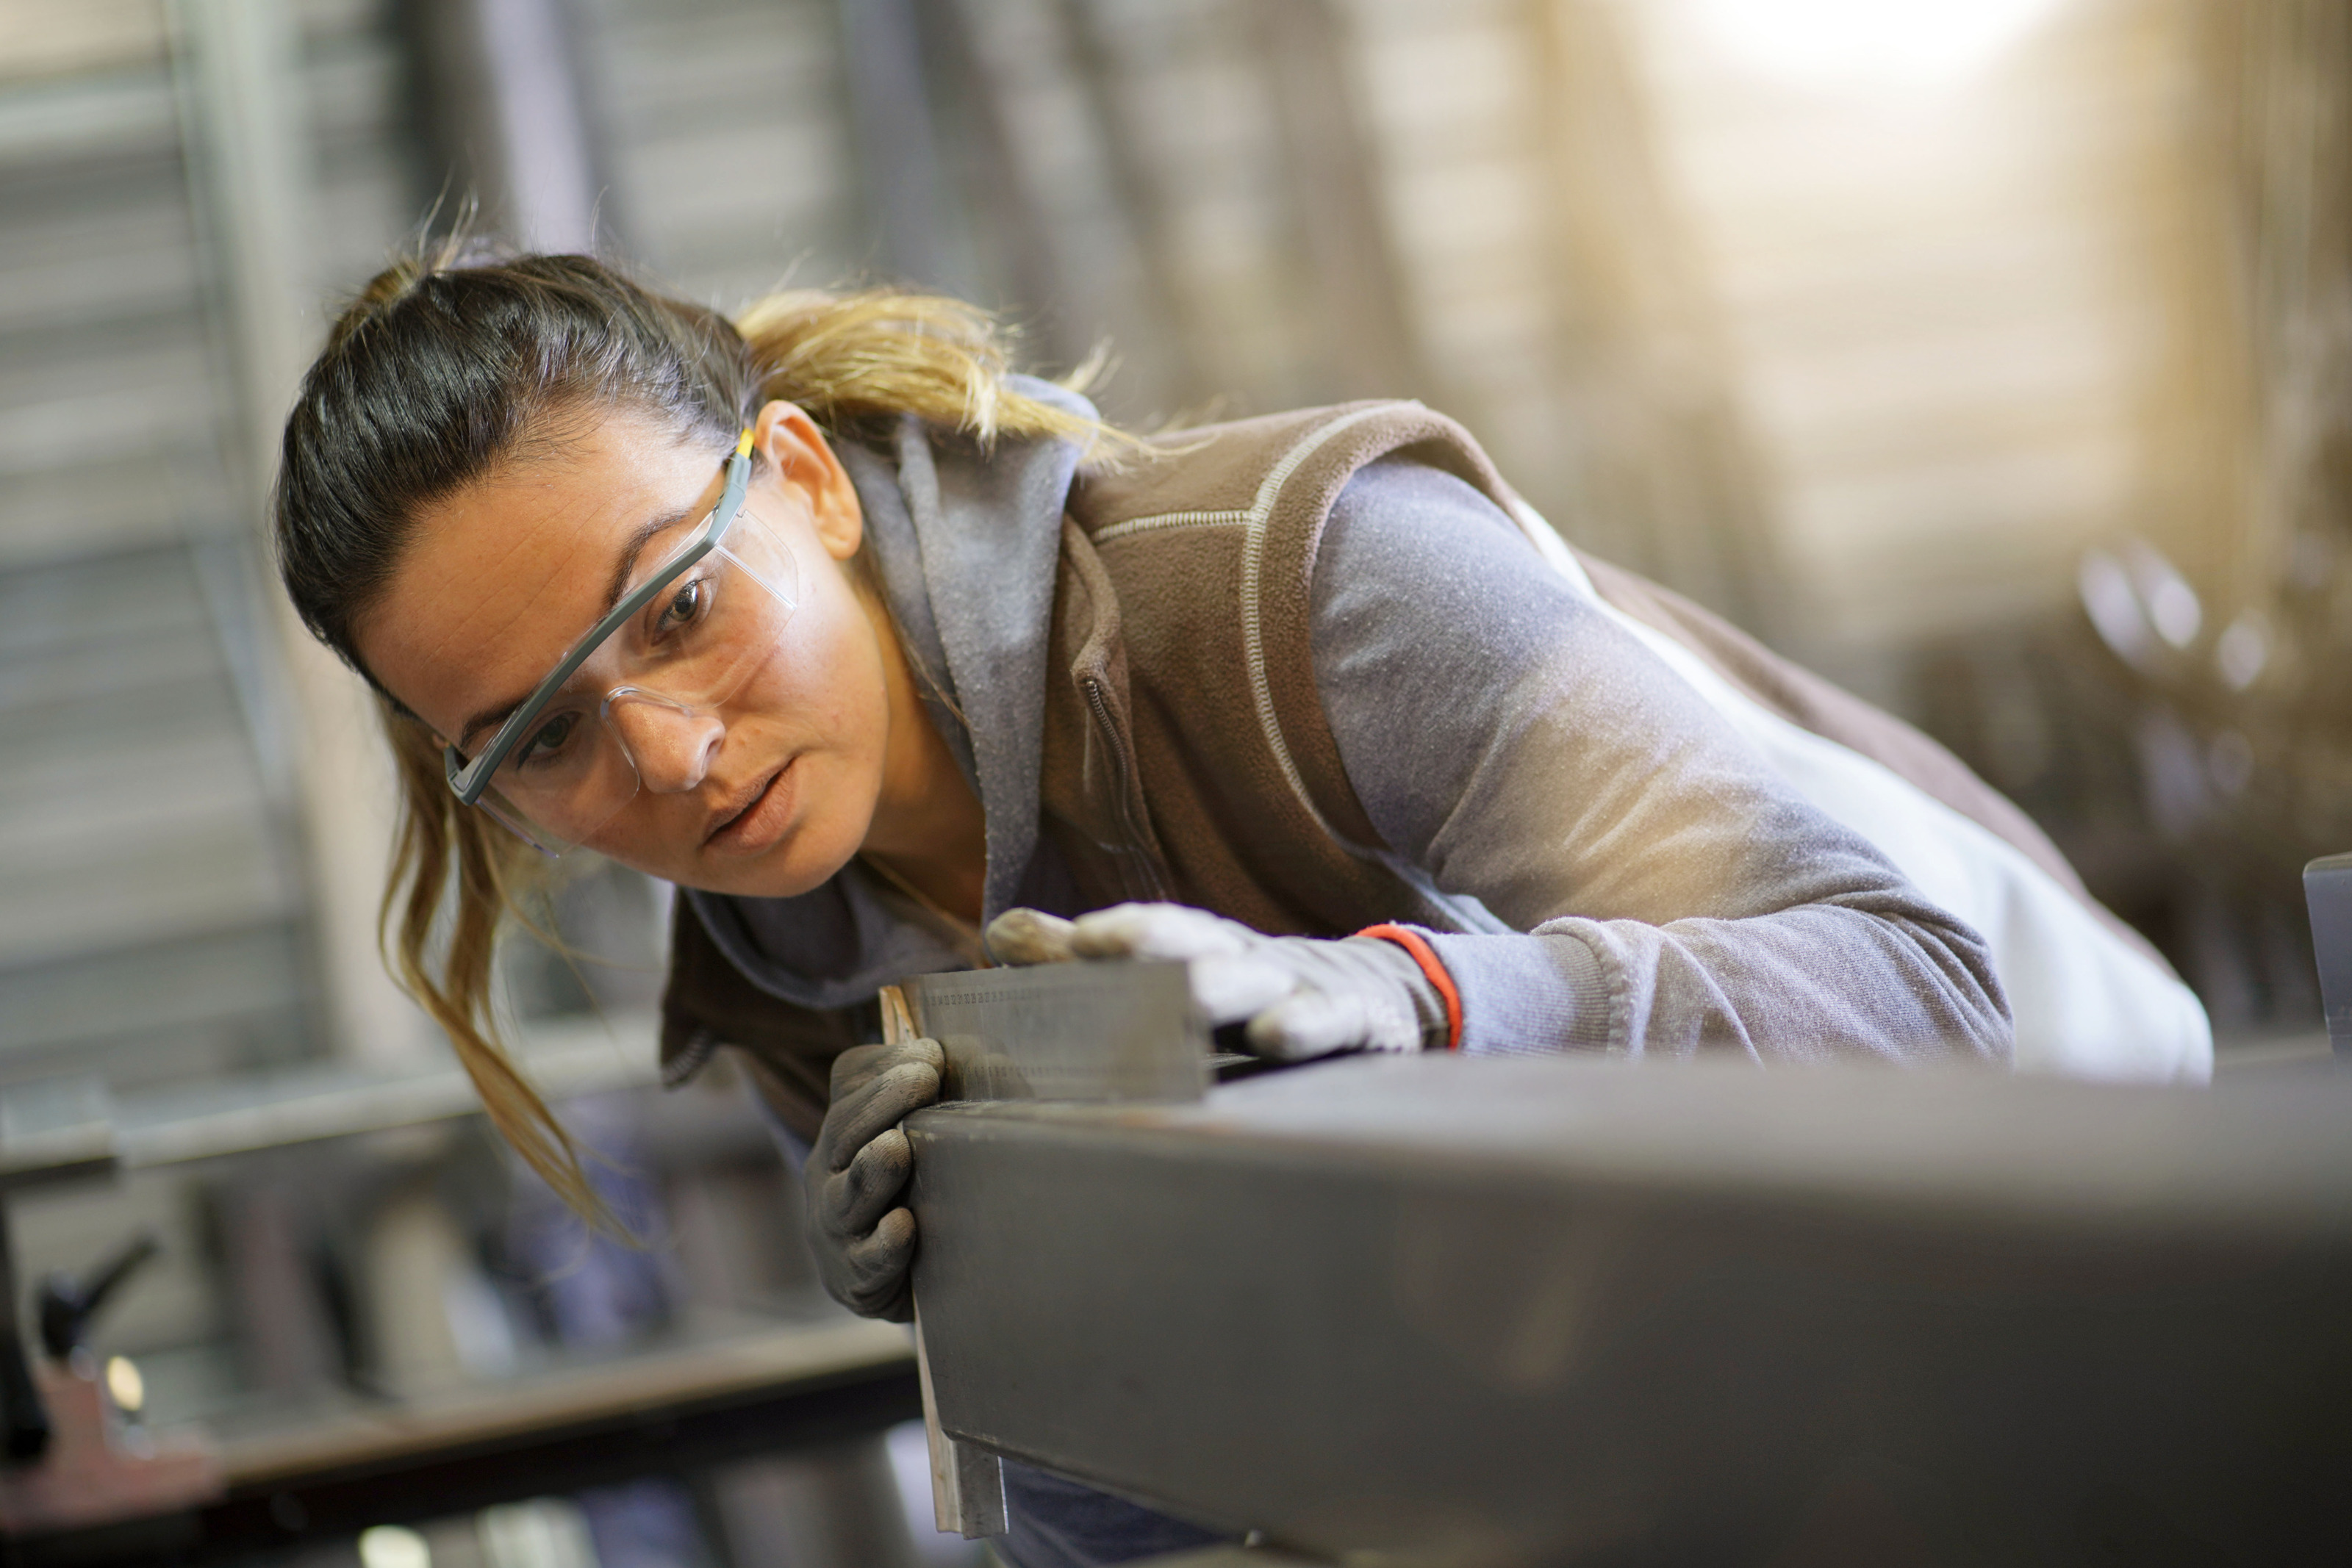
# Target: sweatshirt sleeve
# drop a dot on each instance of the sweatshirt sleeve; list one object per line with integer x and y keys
{"x": 1655, "y": 887}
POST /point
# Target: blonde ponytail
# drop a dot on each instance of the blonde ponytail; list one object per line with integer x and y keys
{"x": 856, "y": 360}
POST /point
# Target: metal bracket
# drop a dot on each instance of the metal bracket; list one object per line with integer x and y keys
{"x": 967, "y": 1480}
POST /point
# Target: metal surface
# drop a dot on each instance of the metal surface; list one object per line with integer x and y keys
{"x": 967, "y": 1482}
{"x": 56, "y": 1131}
{"x": 317, "y": 1483}
{"x": 73, "y": 1128}
{"x": 1124, "y": 1031}
{"x": 94, "y": 1471}
{"x": 1556, "y": 1312}
{"x": 2327, "y": 889}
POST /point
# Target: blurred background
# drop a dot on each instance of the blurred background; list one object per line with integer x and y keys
{"x": 1993, "y": 356}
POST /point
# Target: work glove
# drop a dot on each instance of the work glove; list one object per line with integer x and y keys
{"x": 863, "y": 1235}
{"x": 1301, "y": 996}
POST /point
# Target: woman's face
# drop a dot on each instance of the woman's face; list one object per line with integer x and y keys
{"x": 770, "y": 793}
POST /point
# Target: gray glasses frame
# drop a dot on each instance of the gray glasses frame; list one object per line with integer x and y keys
{"x": 469, "y": 779}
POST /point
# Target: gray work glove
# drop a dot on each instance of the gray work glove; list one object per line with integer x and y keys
{"x": 864, "y": 1237}
{"x": 1302, "y": 995}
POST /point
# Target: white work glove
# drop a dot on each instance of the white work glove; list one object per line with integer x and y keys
{"x": 1302, "y": 995}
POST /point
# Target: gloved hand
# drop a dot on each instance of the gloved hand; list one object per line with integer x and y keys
{"x": 1302, "y": 995}
{"x": 863, "y": 1237}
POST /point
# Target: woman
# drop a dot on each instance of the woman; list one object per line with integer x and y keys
{"x": 866, "y": 644}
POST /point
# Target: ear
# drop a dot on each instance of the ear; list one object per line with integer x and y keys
{"x": 801, "y": 462}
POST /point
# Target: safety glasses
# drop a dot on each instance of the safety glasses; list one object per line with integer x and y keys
{"x": 643, "y": 685}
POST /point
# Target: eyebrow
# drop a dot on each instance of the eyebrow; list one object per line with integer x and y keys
{"x": 624, "y": 566}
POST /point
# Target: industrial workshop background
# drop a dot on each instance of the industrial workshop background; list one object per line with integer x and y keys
{"x": 1994, "y": 358}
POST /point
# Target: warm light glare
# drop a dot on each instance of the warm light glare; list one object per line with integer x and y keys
{"x": 124, "y": 1385}
{"x": 1866, "y": 42}
{"x": 390, "y": 1546}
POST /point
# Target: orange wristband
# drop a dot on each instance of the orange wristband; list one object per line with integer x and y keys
{"x": 1415, "y": 942}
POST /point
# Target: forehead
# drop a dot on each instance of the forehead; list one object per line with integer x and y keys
{"x": 496, "y": 579}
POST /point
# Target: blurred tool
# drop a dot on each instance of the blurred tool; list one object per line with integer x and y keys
{"x": 67, "y": 1306}
{"x": 67, "y": 1467}
{"x": 87, "y": 1465}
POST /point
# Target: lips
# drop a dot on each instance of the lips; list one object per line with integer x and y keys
{"x": 760, "y": 819}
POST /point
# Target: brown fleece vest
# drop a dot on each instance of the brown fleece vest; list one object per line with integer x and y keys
{"x": 1186, "y": 755}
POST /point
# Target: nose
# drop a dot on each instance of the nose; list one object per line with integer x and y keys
{"x": 672, "y": 747}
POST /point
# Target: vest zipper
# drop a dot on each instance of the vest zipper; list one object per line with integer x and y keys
{"x": 1140, "y": 875}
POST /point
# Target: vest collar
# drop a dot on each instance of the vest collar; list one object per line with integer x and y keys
{"x": 966, "y": 545}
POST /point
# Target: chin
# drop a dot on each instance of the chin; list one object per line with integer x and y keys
{"x": 788, "y": 877}
{"x": 805, "y": 860}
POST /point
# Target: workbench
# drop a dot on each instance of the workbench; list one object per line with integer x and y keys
{"x": 669, "y": 1410}
{"x": 1554, "y": 1312}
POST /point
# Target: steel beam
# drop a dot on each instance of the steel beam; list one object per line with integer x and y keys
{"x": 1555, "y": 1312}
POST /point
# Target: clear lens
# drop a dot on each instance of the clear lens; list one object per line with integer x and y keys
{"x": 648, "y": 698}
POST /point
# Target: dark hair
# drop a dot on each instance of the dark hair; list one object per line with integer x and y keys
{"x": 439, "y": 373}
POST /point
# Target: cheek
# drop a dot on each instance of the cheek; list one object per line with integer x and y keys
{"x": 827, "y": 689}
{"x": 825, "y": 700}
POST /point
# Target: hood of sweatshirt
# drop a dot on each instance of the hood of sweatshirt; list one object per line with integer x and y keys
{"x": 967, "y": 546}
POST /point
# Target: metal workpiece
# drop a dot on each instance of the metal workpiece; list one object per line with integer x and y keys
{"x": 1561, "y": 1310}
{"x": 1104, "y": 1030}
{"x": 967, "y": 1480}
